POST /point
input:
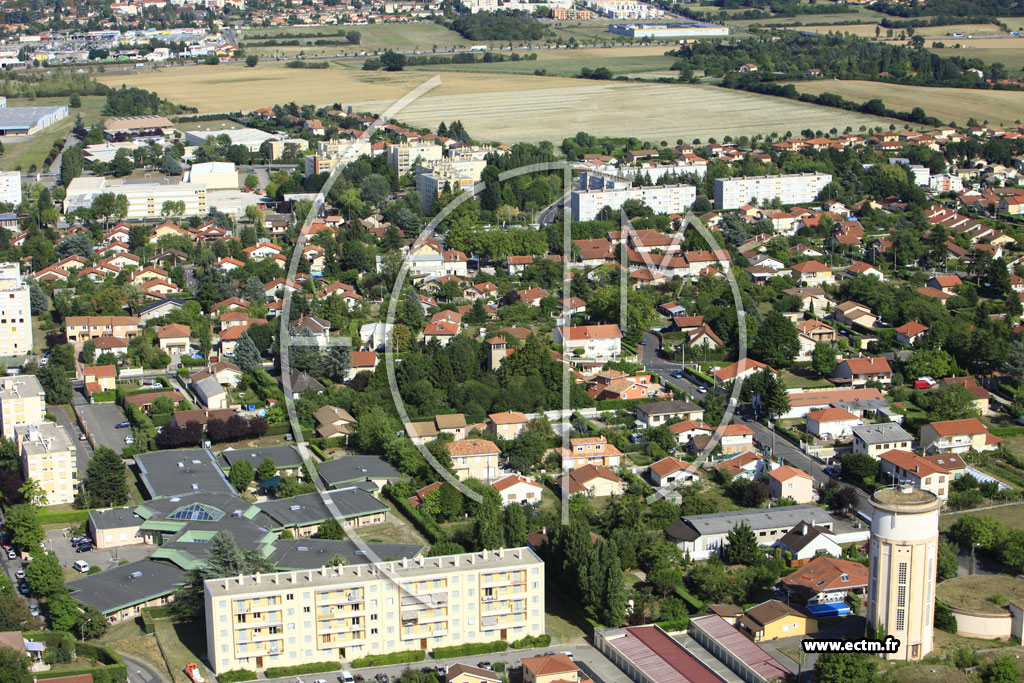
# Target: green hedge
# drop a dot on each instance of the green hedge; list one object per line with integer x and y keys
{"x": 425, "y": 524}
{"x": 623, "y": 403}
{"x": 61, "y": 516}
{"x": 279, "y": 429}
{"x": 470, "y": 649}
{"x": 391, "y": 658}
{"x": 103, "y": 396}
{"x": 237, "y": 676}
{"x": 677, "y": 625}
{"x": 300, "y": 669}
{"x": 1006, "y": 431}
{"x": 532, "y": 641}
{"x": 690, "y": 599}
{"x": 109, "y": 667}
{"x": 148, "y": 625}
{"x": 159, "y": 612}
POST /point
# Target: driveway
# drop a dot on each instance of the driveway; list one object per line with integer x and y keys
{"x": 59, "y": 541}
{"x": 99, "y": 419}
{"x": 83, "y": 450}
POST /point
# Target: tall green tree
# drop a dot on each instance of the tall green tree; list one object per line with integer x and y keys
{"x": 44, "y": 575}
{"x": 225, "y": 558}
{"x": 240, "y": 475}
{"x": 613, "y": 606}
{"x": 105, "y": 482}
{"x": 836, "y": 667}
{"x": 741, "y": 546}
{"x": 23, "y": 527}
{"x": 515, "y": 526}
{"x": 247, "y": 356}
{"x": 13, "y": 667}
{"x": 776, "y": 342}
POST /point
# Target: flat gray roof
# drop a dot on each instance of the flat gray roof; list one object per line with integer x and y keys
{"x": 352, "y": 468}
{"x": 310, "y": 508}
{"x": 664, "y": 407}
{"x": 24, "y": 117}
{"x": 284, "y": 457}
{"x": 770, "y": 518}
{"x": 881, "y": 433}
{"x": 176, "y": 472}
{"x": 129, "y": 584}
{"x": 313, "y": 553}
{"x": 114, "y": 518}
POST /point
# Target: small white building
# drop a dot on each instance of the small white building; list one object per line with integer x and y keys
{"x": 832, "y": 423}
{"x": 516, "y": 488}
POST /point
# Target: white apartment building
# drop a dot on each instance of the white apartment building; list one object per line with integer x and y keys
{"x": 22, "y": 402}
{"x": 48, "y": 457}
{"x": 795, "y": 188}
{"x": 289, "y": 618}
{"x": 15, "y": 313}
{"x": 624, "y": 9}
{"x": 145, "y": 199}
{"x": 10, "y": 187}
{"x": 667, "y": 199}
{"x": 458, "y": 175}
{"x": 403, "y": 157}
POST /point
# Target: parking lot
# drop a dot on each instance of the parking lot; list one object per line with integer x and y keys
{"x": 59, "y": 541}
{"x": 100, "y": 419}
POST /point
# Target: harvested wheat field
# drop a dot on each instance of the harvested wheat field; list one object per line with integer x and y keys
{"x": 998, "y": 107}
{"x": 868, "y": 30}
{"x": 502, "y": 106}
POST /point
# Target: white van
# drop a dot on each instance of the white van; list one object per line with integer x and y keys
{"x": 81, "y": 566}
{"x": 347, "y": 677}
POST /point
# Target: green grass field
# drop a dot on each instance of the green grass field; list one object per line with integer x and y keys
{"x": 33, "y": 150}
{"x": 421, "y": 35}
{"x": 567, "y": 63}
{"x": 1012, "y": 59}
{"x": 1012, "y": 516}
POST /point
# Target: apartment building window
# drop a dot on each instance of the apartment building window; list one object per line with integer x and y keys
{"x": 306, "y": 610}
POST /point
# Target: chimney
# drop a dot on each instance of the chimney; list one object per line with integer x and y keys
{"x": 804, "y": 531}
{"x": 501, "y": 553}
{"x": 405, "y": 563}
{"x": 257, "y": 577}
{"x": 455, "y": 561}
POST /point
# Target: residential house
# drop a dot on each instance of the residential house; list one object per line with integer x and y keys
{"x": 812, "y": 273}
{"x": 957, "y": 436}
{"x": 906, "y": 467}
{"x": 556, "y": 668}
{"x": 474, "y": 459}
{"x": 669, "y": 471}
{"x": 740, "y": 370}
{"x": 704, "y": 535}
{"x": 774, "y": 619}
{"x": 516, "y": 488}
{"x": 813, "y": 300}
{"x": 592, "y": 342}
{"x": 851, "y": 313}
{"x": 946, "y": 284}
{"x": 735, "y": 438}
{"x": 507, "y": 425}
{"x": 910, "y": 333}
{"x": 954, "y": 464}
{"x": 300, "y": 382}
{"x": 875, "y": 439}
{"x": 979, "y": 395}
{"x": 82, "y": 327}
{"x": 464, "y": 673}
{"x": 423, "y": 432}
{"x": 857, "y": 372}
{"x": 334, "y": 422}
{"x": 832, "y": 423}
{"x": 174, "y": 338}
{"x": 805, "y": 541}
{"x": 747, "y": 465}
{"x": 589, "y": 450}
{"x": 826, "y": 580}
{"x": 789, "y": 482}
{"x": 361, "y": 361}
{"x": 861, "y": 268}
{"x": 592, "y": 480}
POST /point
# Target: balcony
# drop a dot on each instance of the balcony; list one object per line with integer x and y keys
{"x": 425, "y": 600}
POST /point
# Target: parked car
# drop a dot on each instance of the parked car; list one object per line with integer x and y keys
{"x": 129, "y": 440}
{"x": 485, "y": 665}
{"x": 84, "y": 548}
{"x": 33, "y": 610}
{"x": 11, "y": 555}
{"x": 83, "y": 567}
{"x": 678, "y": 374}
{"x": 78, "y": 539}
{"x": 123, "y": 425}
{"x": 19, "y": 575}
{"x": 702, "y": 389}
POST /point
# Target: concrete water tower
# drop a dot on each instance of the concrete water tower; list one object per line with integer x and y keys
{"x": 901, "y": 588}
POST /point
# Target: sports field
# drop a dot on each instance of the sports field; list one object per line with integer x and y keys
{"x": 998, "y": 107}
{"x": 504, "y": 107}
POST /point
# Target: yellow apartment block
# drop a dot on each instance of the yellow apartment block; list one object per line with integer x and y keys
{"x": 288, "y": 618}
{"x": 48, "y": 457}
{"x": 22, "y": 402}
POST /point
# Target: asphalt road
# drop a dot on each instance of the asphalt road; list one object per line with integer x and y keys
{"x": 783, "y": 449}
{"x": 100, "y": 419}
{"x": 596, "y": 665}
{"x": 140, "y": 671}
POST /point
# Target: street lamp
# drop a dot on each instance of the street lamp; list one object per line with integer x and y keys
{"x": 81, "y": 629}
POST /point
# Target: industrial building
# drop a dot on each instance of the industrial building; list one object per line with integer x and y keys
{"x": 250, "y": 138}
{"x": 680, "y": 29}
{"x": 28, "y": 120}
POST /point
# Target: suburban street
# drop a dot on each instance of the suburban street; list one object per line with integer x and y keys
{"x": 783, "y": 449}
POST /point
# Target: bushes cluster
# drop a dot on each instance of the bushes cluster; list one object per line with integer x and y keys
{"x": 300, "y": 669}
{"x": 470, "y": 649}
{"x": 390, "y": 658}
